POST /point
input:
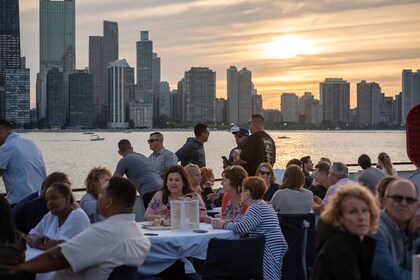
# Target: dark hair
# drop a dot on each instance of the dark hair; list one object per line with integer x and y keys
{"x": 305, "y": 160}
{"x": 256, "y": 187}
{"x": 6, "y": 123}
{"x": 122, "y": 191}
{"x": 63, "y": 189}
{"x": 124, "y": 145}
{"x": 236, "y": 175}
{"x": 259, "y": 119}
{"x": 186, "y": 189}
{"x": 159, "y": 135}
{"x": 383, "y": 185}
{"x": 199, "y": 129}
{"x": 293, "y": 178}
{"x": 294, "y": 161}
{"x": 8, "y": 232}
{"x": 55, "y": 177}
{"x": 323, "y": 167}
{"x": 364, "y": 161}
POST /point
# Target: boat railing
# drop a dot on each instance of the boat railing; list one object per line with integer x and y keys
{"x": 403, "y": 173}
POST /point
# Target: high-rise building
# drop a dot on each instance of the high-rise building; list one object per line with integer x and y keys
{"x": 289, "y": 107}
{"x": 179, "y": 105}
{"x": 145, "y": 66}
{"x": 120, "y": 82}
{"x": 239, "y": 95}
{"x": 102, "y": 50}
{"x": 397, "y": 109}
{"x": 141, "y": 114}
{"x": 56, "y": 111}
{"x": 410, "y": 91}
{"x": 305, "y": 106}
{"x": 368, "y": 103}
{"x": 57, "y": 34}
{"x": 9, "y": 45}
{"x": 164, "y": 100}
{"x": 81, "y": 99}
{"x": 221, "y": 110}
{"x": 257, "y": 104}
{"x": 335, "y": 100}
{"x": 200, "y": 95}
{"x": 17, "y": 92}
{"x": 156, "y": 84}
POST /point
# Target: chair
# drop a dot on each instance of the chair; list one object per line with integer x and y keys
{"x": 299, "y": 232}
{"x": 18, "y": 276}
{"x": 124, "y": 272}
{"x": 234, "y": 259}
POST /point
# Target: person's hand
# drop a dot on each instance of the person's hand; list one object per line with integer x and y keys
{"x": 207, "y": 185}
{"x": 414, "y": 225}
{"x": 217, "y": 223}
{"x": 317, "y": 200}
{"x": 32, "y": 239}
{"x": 212, "y": 196}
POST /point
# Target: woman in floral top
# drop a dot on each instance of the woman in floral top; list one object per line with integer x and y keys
{"x": 232, "y": 207}
{"x": 176, "y": 185}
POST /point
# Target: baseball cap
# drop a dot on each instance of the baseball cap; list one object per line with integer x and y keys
{"x": 239, "y": 130}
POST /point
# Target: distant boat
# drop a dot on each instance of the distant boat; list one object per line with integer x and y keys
{"x": 87, "y": 132}
{"x": 283, "y": 137}
{"x": 96, "y": 138}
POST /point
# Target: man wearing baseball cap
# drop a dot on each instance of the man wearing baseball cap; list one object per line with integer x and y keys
{"x": 240, "y": 135}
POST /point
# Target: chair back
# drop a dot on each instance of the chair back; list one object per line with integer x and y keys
{"x": 18, "y": 276}
{"x": 299, "y": 232}
{"x": 235, "y": 258}
{"x": 124, "y": 272}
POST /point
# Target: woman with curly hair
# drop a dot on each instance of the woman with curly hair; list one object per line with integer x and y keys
{"x": 345, "y": 250}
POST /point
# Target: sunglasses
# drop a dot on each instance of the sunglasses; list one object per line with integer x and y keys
{"x": 268, "y": 173}
{"x": 152, "y": 140}
{"x": 241, "y": 189}
{"x": 238, "y": 135}
{"x": 399, "y": 198}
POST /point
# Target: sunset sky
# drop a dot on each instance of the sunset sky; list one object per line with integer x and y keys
{"x": 289, "y": 45}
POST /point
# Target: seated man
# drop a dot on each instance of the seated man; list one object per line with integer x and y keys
{"x": 396, "y": 244}
{"x": 95, "y": 252}
{"x": 370, "y": 176}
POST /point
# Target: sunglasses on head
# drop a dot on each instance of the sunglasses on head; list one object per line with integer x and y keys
{"x": 268, "y": 173}
{"x": 399, "y": 198}
{"x": 152, "y": 140}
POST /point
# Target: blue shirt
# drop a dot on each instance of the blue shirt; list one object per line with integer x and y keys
{"x": 23, "y": 167}
{"x": 163, "y": 159}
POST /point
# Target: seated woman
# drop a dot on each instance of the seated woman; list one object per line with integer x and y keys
{"x": 12, "y": 244}
{"x": 31, "y": 212}
{"x": 265, "y": 171}
{"x": 194, "y": 174}
{"x": 260, "y": 218}
{"x": 292, "y": 198}
{"x": 97, "y": 177}
{"x": 211, "y": 198}
{"x": 232, "y": 206}
{"x": 176, "y": 185}
{"x": 63, "y": 222}
{"x": 345, "y": 251}
{"x": 385, "y": 165}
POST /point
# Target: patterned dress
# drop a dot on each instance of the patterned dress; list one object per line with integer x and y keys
{"x": 260, "y": 218}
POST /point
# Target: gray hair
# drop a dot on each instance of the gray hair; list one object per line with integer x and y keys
{"x": 340, "y": 170}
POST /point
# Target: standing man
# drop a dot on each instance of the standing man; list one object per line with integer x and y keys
{"x": 95, "y": 252}
{"x": 240, "y": 134}
{"x": 21, "y": 164}
{"x": 161, "y": 158}
{"x": 138, "y": 169}
{"x": 193, "y": 149}
{"x": 259, "y": 147}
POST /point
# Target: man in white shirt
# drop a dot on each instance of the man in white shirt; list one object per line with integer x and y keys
{"x": 95, "y": 252}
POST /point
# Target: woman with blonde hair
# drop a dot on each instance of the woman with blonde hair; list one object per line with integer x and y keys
{"x": 385, "y": 165}
{"x": 265, "y": 171}
{"x": 292, "y": 198}
{"x": 345, "y": 250}
{"x": 96, "y": 178}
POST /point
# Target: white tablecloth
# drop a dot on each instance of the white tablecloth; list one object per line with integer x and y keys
{"x": 170, "y": 246}
{"x": 32, "y": 253}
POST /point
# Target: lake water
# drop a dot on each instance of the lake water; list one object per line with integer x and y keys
{"x": 74, "y": 153}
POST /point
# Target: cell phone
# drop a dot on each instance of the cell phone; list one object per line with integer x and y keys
{"x": 225, "y": 158}
{"x": 151, "y": 234}
{"x": 199, "y": 230}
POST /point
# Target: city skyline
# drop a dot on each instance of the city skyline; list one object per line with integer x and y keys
{"x": 350, "y": 40}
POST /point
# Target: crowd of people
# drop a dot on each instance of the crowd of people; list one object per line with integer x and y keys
{"x": 365, "y": 230}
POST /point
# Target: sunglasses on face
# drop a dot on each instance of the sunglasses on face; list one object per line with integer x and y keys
{"x": 152, "y": 140}
{"x": 238, "y": 135}
{"x": 268, "y": 173}
{"x": 399, "y": 198}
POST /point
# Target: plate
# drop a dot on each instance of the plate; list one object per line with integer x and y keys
{"x": 156, "y": 227}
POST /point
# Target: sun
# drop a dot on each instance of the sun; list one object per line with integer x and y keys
{"x": 288, "y": 46}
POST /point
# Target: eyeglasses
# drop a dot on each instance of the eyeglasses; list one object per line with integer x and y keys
{"x": 268, "y": 173}
{"x": 152, "y": 140}
{"x": 399, "y": 198}
{"x": 238, "y": 135}
{"x": 241, "y": 189}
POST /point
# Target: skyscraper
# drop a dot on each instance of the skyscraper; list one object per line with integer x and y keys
{"x": 368, "y": 103}
{"x": 9, "y": 45}
{"x": 57, "y": 34}
{"x": 144, "y": 66}
{"x": 289, "y": 107}
{"x": 120, "y": 82}
{"x": 335, "y": 100}
{"x": 56, "y": 113}
{"x": 239, "y": 95}
{"x": 17, "y": 92}
{"x": 102, "y": 50}
{"x": 200, "y": 95}
{"x": 410, "y": 91}
{"x": 81, "y": 99}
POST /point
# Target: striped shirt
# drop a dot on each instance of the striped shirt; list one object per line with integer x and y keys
{"x": 260, "y": 218}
